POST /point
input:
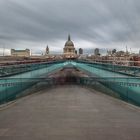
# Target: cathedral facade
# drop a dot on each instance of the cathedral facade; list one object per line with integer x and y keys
{"x": 69, "y": 49}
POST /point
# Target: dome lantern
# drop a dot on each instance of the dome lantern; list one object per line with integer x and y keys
{"x": 69, "y": 38}
{"x": 69, "y": 42}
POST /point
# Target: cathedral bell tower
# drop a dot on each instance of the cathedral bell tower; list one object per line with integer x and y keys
{"x": 47, "y": 50}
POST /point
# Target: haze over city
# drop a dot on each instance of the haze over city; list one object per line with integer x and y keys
{"x": 104, "y": 24}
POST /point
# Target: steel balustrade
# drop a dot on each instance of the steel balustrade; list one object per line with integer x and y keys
{"x": 125, "y": 85}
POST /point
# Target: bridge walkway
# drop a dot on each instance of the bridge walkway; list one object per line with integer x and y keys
{"x": 69, "y": 113}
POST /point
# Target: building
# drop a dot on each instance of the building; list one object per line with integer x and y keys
{"x": 135, "y": 60}
{"x": 47, "y": 50}
{"x": 80, "y": 51}
{"x": 96, "y": 52}
{"x": 69, "y": 49}
{"x": 20, "y": 53}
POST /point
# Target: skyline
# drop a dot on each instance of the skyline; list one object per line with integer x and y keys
{"x": 92, "y": 24}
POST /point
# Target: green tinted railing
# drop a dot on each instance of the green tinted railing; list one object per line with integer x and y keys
{"x": 22, "y": 68}
{"x": 127, "y": 70}
{"x": 13, "y": 85}
{"x": 127, "y": 87}
{"x": 11, "y": 88}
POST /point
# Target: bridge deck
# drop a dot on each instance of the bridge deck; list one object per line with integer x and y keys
{"x": 69, "y": 113}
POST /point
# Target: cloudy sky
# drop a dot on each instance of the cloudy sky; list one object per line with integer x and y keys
{"x": 104, "y": 24}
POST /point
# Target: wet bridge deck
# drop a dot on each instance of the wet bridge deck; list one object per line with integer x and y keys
{"x": 69, "y": 113}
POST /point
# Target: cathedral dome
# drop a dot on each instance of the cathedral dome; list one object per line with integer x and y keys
{"x": 69, "y": 42}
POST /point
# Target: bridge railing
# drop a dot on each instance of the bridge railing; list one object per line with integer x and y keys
{"x": 123, "y": 69}
{"x": 127, "y": 89}
{"x": 10, "y": 88}
{"x": 21, "y": 68}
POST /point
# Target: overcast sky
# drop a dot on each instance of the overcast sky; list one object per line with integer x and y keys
{"x": 92, "y": 23}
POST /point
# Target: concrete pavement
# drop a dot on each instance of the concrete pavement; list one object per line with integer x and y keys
{"x": 70, "y": 113}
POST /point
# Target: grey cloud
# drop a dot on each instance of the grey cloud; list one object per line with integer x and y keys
{"x": 101, "y": 22}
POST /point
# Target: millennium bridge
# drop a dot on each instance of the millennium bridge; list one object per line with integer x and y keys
{"x": 69, "y": 100}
